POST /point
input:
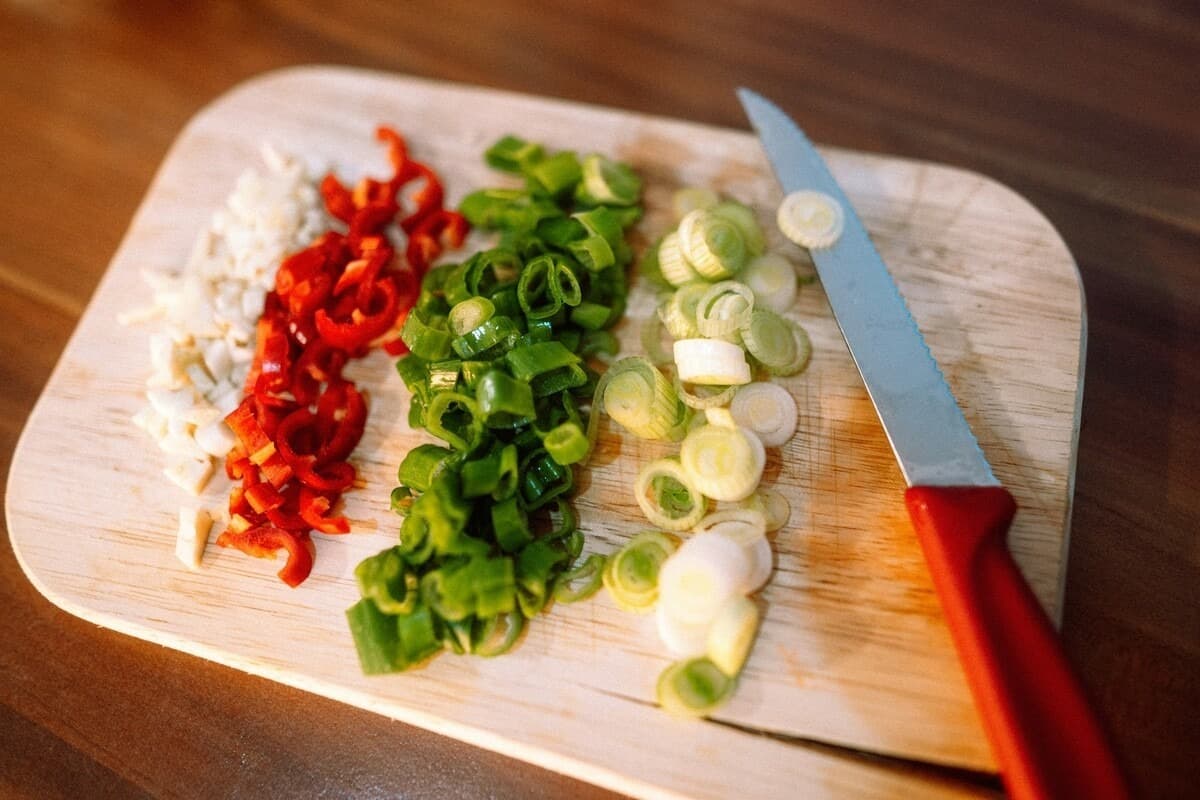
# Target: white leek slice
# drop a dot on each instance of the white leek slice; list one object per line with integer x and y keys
{"x": 723, "y": 463}
{"x": 774, "y": 507}
{"x": 811, "y": 219}
{"x": 696, "y": 580}
{"x": 772, "y": 278}
{"x": 668, "y": 497}
{"x": 682, "y": 639}
{"x": 732, "y": 634}
{"x": 742, "y": 525}
{"x": 768, "y": 409}
{"x": 711, "y": 361}
{"x": 762, "y": 562}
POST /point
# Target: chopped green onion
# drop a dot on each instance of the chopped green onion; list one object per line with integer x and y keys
{"x": 470, "y": 314}
{"x": 581, "y": 582}
{"x": 557, "y": 173}
{"x": 422, "y": 464}
{"x": 513, "y": 154}
{"x": 608, "y": 182}
{"x": 426, "y": 341}
{"x": 567, "y": 443}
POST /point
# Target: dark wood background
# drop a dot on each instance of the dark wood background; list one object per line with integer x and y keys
{"x": 1090, "y": 108}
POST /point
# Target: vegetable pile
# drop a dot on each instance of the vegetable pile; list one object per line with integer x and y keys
{"x": 498, "y": 371}
{"x": 300, "y": 417}
{"x": 725, "y": 331}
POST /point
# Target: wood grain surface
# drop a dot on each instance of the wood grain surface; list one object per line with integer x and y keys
{"x": 853, "y": 648}
{"x": 1087, "y": 108}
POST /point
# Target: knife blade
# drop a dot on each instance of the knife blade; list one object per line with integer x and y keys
{"x": 1047, "y": 740}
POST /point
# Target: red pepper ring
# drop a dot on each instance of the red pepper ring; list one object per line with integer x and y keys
{"x": 443, "y": 228}
{"x": 349, "y": 428}
{"x": 361, "y": 329}
{"x": 265, "y": 541}
{"x": 332, "y": 477}
{"x": 428, "y": 198}
{"x": 338, "y": 200}
{"x": 314, "y": 510}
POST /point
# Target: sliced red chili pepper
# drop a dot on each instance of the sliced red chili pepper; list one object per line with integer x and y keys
{"x": 348, "y": 430}
{"x": 243, "y": 421}
{"x": 265, "y": 541}
{"x": 263, "y": 496}
{"x": 361, "y": 329}
{"x": 338, "y": 201}
{"x": 314, "y": 509}
{"x": 428, "y": 198}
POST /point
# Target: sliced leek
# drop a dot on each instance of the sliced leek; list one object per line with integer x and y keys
{"x": 723, "y": 463}
{"x": 803, "y": 352}
{"x": 724, "y": 309}
{"x": 769, "y": 338}
{"x": 711, "y": 361}
{"x": 704, "y": 572}
{"x": 742, "y": 216}
{"x": 691, "y": 198}
{"x": 678, "y": 313}
{"x": 774, "y": 507}
{"x": 631, "y": 574}
{"x": 672, "y": 263}
{"x": 705, "y": 397}
{"x": 731, "y": 635}
{"x": 742, "y": 525}
{"x": 693, "y": 688}
{"x": 682, "y": 639}
{"x": 811, "y": 219}
{"x": 714, "y": 245}
{"x": 772, "y": 278}
{"x": 768, "y": 409}
{"x": 641, "y": 399}
{"x": 668, "y": 497}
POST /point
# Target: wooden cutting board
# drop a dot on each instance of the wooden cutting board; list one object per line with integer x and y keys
{"x": 853, "y": 687}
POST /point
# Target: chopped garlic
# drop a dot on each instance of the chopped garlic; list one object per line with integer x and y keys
{"x": 194, "y": 526}
{"x": 189, "y": 474}
{"x": 201, "y": 351}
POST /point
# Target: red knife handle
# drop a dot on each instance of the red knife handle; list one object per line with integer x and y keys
{"x": 1047, "y": 741}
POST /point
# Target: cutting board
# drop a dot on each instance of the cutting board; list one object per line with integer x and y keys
{"x": 852, "y": 688}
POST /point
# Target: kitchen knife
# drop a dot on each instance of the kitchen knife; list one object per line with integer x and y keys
{"x": 1045, "y": 737}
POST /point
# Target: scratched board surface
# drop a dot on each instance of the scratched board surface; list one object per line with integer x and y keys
{"x": 853, "y": 661}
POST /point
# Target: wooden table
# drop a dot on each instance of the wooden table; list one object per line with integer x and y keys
{"x": 1088, "y": 109}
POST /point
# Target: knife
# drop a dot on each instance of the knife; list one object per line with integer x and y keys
{"x": 1047, "y": 741}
